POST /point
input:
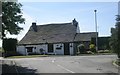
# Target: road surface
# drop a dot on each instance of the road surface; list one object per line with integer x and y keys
{"x": 68, "y": 64}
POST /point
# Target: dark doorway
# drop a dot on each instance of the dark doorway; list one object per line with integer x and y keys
{"x": 50, "y": 47}
{"x": 66, "y": 49}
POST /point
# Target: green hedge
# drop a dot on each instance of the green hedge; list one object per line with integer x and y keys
{"x": 103, "y": 43}
{"x": 9, "y": 46}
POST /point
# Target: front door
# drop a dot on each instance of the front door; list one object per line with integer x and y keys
{"x": 66, "y": 49}
{"x": 50, "y": 47}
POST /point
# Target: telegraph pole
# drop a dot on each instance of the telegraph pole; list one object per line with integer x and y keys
{"x": 96, "y": 30}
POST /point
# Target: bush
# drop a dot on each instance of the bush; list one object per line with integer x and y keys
{"x": 81, "y": 48}
{"x": 92, "y": 48}
{"x": 9, "y": 46}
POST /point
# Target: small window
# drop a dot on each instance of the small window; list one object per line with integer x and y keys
{"x": 59, "y": 48}
{"x": 29, "y": 49}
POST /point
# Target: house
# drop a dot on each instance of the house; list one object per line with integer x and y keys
{"x": 61, "y": 38}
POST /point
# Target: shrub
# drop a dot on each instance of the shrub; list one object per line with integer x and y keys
{"x": 81, "y": 48}
{"x": 9, "y": 46}
{"x": 92, "y": 47}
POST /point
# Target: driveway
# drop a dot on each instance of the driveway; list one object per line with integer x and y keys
{"x": 68, "y": 64}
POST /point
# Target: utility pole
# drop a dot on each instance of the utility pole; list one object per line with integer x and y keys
{"x": 96, "y": 30}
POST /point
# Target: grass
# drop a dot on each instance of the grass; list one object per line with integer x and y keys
{"x": 1, "y": 49}
{"x": 117, "y": 62}
{"x": 28, "y": 56}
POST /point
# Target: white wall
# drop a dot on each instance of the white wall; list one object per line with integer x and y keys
{"x": 78, "y": 29}
{"x": 71, "y": 48}
{"x": 58, "y": 51}
{"x": 22, "y": 49}
{"x": 44, "y": 47}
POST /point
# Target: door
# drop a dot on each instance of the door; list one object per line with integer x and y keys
{"x": 50, "y": 47}
{"x": 66, "y": 49}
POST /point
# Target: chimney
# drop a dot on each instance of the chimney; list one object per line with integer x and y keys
{"x": 34, "y": 26}
{"x": 75, "y": 23}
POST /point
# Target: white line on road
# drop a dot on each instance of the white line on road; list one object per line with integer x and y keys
{"x": 53, "y": 60}
{"x": 66, "y": 69}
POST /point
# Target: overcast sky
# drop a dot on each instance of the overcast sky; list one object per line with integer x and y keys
{"x": 64, "y": 12}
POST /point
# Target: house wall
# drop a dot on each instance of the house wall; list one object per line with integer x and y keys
{"x": 78, "y": 29}
{"x": 21, "y": 50}
{"x": 43, "y": 46}
{"x": 36, "y": 48}
{"x": 58, "y": 48}
{"x": 61, "y": 50}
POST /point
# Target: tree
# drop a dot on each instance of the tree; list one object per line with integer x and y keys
{"x": 11, "y": 17}
{"x": 115, "y": 37}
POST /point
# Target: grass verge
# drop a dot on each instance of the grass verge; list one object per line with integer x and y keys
{"x": 28, "y": 56}
{"x": 116, "y": 63}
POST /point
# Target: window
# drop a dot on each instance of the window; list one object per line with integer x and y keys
{"x": 59, "y": 48}
{"x": 29, "y": 49}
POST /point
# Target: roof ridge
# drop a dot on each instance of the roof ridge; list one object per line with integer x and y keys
{"x": 55, "y": 24}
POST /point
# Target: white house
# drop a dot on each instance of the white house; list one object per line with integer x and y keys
{"x": 53, "y": 39}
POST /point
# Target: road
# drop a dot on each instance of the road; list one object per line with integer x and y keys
{"x": 67, "y": 64}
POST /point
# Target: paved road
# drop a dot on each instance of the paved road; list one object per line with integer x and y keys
{"x": 68, "y": 64}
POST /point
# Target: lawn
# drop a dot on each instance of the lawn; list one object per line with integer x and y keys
{"x": 1, "y": 50}
{"x": 28, "y": 56}
{"x": 117, "y": 62}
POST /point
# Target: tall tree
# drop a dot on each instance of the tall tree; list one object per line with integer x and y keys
{"x": 115, "y": 37}
{"x": 11, "y": 17}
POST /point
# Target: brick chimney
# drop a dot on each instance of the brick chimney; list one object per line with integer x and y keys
{"x": 75, "y": 23}
{"x": 34, "y": 26}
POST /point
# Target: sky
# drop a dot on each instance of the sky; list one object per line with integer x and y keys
{"x": 65, "y": 12}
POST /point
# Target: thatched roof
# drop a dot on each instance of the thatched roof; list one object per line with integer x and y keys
{"x": 85, "y": 36}
{"x": 55, "y": 33}
{"x": 50, "y": 33}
